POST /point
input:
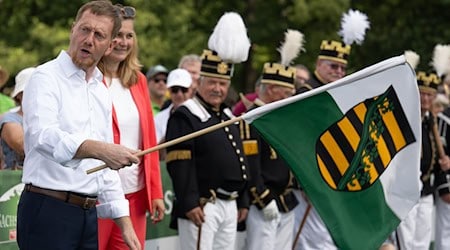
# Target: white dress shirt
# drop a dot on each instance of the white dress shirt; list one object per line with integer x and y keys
{"x": 161, "y": 120}
{"x": 61, "y": 111}
{"x": 127, "y": 114}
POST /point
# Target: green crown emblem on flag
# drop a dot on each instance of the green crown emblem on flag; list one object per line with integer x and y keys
{"x": 355, "y": 151}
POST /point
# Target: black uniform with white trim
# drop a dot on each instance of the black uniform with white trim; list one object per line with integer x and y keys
{"x": 271, "y": 176}
{"x": 212, "y": 164}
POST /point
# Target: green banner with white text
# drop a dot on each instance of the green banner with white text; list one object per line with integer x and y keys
{"x": 158, "y": 236}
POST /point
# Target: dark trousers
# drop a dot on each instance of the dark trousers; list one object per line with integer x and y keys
{"x": 47, "y": 223}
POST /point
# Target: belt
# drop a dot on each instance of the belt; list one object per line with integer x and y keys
{"x": 85, "y": 202}
{"x": 226, "y": 195}
{"x": 220, "y": 193}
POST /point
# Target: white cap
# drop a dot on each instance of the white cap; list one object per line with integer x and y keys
{"x": 22, "y": 79}
{"x": 179, "y": 77}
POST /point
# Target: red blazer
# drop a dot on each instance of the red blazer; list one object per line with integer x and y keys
{"x": 150, "y": 162}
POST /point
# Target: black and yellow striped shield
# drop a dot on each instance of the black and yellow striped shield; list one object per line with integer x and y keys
{"x": 354, "y": 152}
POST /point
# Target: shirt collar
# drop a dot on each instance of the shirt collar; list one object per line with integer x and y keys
{"x": 70, "y": 69}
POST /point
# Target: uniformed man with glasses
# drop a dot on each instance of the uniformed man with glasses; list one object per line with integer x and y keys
{"x": 331, "y": 65}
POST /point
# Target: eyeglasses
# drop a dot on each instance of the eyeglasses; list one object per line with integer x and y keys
{"x": 335, "y": 66}
{"x": 176, "y": 89}
{"x": 164, "y": 80}
{"x": 126, "y": 11}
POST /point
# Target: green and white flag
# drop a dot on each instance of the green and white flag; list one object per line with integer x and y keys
{"x": 354, "y": 145}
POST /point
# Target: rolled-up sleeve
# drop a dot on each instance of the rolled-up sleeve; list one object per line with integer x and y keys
{"x": 112, "y": 202}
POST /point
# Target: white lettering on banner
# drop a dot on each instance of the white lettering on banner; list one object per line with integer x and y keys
{"x": 168, "y": 199}
{"x": 8, "y": 221}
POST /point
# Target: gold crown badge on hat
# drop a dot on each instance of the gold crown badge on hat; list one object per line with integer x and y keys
{"x": 428, "y": 81}
{"x": 214, "y": 66}
{"x": 353, "y": 29}
{"x": 227, "y": 44}
{"x": 282, "y": 73}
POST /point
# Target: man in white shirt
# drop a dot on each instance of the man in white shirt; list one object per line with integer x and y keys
{"x": 178, "y": 82}
{"x": 68, "y": 130}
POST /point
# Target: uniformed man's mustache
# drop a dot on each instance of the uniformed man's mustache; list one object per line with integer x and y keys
{"x": 215, "y": 93}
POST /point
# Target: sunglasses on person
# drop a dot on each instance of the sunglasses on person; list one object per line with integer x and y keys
{"x": 157, "y": 80}
{"x": 176, "y": 89}
{"x": 335, "y": 66}
{"x": 126, "y": 11}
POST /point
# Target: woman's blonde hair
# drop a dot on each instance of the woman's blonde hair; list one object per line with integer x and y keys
{"x": 128, "y": 68}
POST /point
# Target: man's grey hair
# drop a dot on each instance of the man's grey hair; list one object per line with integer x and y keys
{"x": 189, "y": 58}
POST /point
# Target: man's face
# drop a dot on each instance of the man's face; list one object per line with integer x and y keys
{"x": 90, "y": 39}
{"x": 426, "y": 100}
{"x": 301, "y": 76}
{"x": 157, "y": 85}
{"x": 194, "y": 69}
{"x": 178, "y": 95}
{"x": 330, "y": 71}
{"x": 277, "y": 92}
{"x": 213, "y": 90}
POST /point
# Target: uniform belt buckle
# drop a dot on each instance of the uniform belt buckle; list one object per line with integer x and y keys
{"x": 233, "y": 195}
{"x": 89, "y": 202}
{"x": 228, "y": 195}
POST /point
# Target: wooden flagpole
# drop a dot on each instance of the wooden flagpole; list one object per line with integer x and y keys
{"x": 176, "y": 141}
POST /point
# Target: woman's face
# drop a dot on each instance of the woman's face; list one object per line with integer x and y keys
{"x": 124, "y": 41}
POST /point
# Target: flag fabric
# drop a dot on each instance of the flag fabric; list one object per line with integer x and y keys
{"x": 354, "y": 145}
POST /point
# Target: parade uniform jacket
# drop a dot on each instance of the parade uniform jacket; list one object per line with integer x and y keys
{"x": 150, "y": 162}
{"x": 271, "y": 176}
{"x": 208, "y": 162}
{"x": 429, "y": 158}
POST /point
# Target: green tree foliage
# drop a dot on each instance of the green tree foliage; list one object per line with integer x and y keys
{"x": 34, "y": 31}
{"x": 398, "y": 25}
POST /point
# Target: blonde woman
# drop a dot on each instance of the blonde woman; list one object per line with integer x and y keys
{"x": 133, "y": 127}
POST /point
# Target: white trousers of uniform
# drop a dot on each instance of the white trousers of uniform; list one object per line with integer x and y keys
{"x": 314, "y": 234}
{"x": 217, "y": 232}
{"x": 275, "y": 234}
{"x": 442, "y": 232}
{"x": 414, "y": 232}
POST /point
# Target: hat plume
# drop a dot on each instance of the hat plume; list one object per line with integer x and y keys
{"x": 229, "y": 38}
{"x": 412, "y": 58}
{"x": 353, "y": 27}
{"x": 291, "y": 47}
{"x": 441, "y": 59}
